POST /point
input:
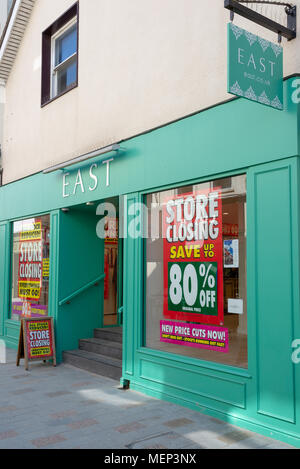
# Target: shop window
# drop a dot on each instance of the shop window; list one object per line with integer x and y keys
{"x": 30, "y": 268}
{"x": 195, "y": 274}
{"x": 60, "y": 56}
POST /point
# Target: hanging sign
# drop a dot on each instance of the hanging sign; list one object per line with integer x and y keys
{"x": 193, "y": 257}
{"x": 36, "y": 340}
{"x": 255, "y": 68}
{"x": 31, "y": 263}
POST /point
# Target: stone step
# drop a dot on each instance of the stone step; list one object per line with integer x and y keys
{"x": 103, "y": 347}
{"x": 94, "y": 363}
{"x": 113, "y": 334}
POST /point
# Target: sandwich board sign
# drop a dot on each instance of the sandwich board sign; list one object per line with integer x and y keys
{"x": 36, "y": 340}
{"x": 255, "y": 68}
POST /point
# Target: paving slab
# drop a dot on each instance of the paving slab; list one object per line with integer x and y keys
{"x": 66, "y": 408}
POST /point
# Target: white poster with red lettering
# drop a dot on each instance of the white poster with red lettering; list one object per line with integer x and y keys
{"x": 31, "y": 263}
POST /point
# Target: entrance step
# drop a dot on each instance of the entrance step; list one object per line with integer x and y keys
{"x": 113, "y": 334}
{"x": 95, "y": 363}
{"x": 101, "y": 354}
{"x": 108, "y": 348}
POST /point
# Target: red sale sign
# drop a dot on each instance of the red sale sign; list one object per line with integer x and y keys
{"x": 37, "y": 341}
{"x": 193, "y": 257}
{"x": 31, "y": 262}
{"x": 39, "y": 338}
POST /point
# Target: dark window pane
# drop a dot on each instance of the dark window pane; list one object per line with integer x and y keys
{"x": 66, "y": 76}
{"x": 66, "y": 45}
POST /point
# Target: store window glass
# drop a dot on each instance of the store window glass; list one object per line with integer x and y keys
{"x": 196, "y": 302}
{"x": 111, "y": 253}
{"x": 30, "y": 268}
{"x": 64, "y": 65}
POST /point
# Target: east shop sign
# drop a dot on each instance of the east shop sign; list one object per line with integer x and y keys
{"x": 255, "y": 68}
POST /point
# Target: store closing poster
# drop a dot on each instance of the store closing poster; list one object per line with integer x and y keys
{"x": 193, "y": 265}
{"x": 30, "y": 264}
{"x": 39, "y": 338}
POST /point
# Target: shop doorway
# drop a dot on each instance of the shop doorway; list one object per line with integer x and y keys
{"x": 95, "y": 313}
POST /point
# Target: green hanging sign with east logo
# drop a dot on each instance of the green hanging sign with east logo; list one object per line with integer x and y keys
{"x": 255, "y": 68}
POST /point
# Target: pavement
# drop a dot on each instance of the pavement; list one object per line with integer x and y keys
{"x": 68, "y": 408}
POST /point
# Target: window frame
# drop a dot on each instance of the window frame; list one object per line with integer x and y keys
{"x": 49, "y": 36}
{"x": 152, "y": 352}
{"x": 8, "y": 315}
{"x": 55, "y": 68}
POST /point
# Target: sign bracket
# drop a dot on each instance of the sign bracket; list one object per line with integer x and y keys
{"x": 289, "y": 31}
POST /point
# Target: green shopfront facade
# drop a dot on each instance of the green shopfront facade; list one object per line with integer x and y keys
{"x": 248, "y": 151}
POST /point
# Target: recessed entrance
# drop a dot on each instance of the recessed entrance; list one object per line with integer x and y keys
{"x": 101, "y": 350}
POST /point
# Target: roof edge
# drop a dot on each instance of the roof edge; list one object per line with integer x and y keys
{"x": 13, "y": 33}
{"x": 7, "y": 22}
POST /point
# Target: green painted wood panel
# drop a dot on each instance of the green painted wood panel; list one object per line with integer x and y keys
{"x": 211, "y": 389}
{"x": 4, "y": 229}
{"x": 54, "y": 264}
{"x": 132, "y": 294}
{"x": 4, "y": 275}
{"x": 274, "y": 292}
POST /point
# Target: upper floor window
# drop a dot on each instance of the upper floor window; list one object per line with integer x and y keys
{"x": 60, "y": 56}
{"x": 64, "y": 59}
